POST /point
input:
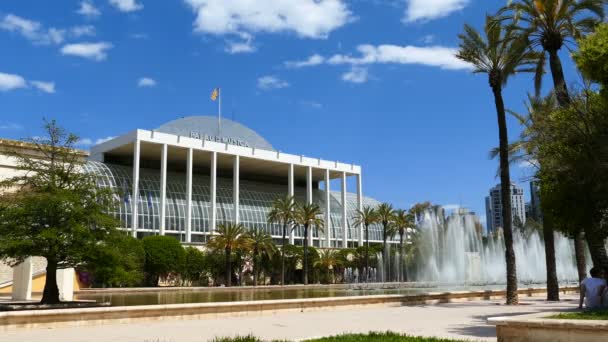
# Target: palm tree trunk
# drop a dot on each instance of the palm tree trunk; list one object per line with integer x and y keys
{"x": 228, "y": 268}
{"x": 505, "y": 188}
{"x": 559, "y": 81}
{"x": 597, "y": 248}
{"x": 283, "y": 255}
{"x": 50, "y": 294}
{"x": 255, "y": 268}
{"x": 366, "y": 253}
{"x": 305, "y": 261}
{"x": 384, "y": 257}
{"x": 402, "y": 256}
{"x": 549, "y": 237}
{"x": 579, "y": 251}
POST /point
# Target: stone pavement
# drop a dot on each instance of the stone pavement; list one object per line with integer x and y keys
{"x": 466, "y": 320}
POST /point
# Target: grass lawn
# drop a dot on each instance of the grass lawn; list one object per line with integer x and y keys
{"x": 592, "y": 314}
{"x": 371, "y": 337}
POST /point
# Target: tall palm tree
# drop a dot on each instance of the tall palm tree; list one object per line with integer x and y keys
{"x": 403, "y": 221}
{"x": 230, "y": 237}
{"x": 386, "y": 217}
{"x": 500, "y": 55}
{"x": 328, "y": 260}
{"x": 309, "y": 217}
{"x": 551, "y": 25}
{"x": 283, "y": 213}
{"x": 261, "y": 245}
{"x": 366, "y": 217}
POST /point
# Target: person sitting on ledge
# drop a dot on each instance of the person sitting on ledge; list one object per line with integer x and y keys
{"x": 592, "y": 289}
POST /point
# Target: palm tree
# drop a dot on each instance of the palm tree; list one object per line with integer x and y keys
{"x": 386, "y": 216}
{"x": 403, "y": 221}
{"x": 551, "y": 25}
{"x": 230, "y": 236}
{"x": 366, "y": 217}
{"x": 309, "y": 217}
{"x": 328, "y": 260}
{"x": 500, "y": 55}
{"x": 283, "y": 213}
{"x": 261, "y": 245}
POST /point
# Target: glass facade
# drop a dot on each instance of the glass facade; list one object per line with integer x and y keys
{"x": 255, "y": 201}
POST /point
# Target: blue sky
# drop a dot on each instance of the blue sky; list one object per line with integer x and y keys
{"x": 370, "y": 82}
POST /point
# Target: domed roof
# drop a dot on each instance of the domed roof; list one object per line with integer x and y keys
{"x": 206, "y": 127}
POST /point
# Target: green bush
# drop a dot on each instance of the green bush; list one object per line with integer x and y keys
{"x": 592, "y": 57}
{"x": 371, "y": 337}
{"x": 165, "y": 256}
{"x": 118, "y": 263}
{"x": 194, "y": 270}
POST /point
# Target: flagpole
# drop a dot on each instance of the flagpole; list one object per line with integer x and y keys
{"x": 219, "y": 111}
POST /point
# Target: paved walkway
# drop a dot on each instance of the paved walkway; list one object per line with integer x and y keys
{"x": 453, "y": 320}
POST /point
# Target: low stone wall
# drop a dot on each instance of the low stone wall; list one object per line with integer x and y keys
{"x": 128, "y": 314}
{"x": 538, "y": 328}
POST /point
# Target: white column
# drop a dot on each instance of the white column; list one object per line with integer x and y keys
{"x": 135, "y": 195}
{"x": 309, "y": 197}
{"x": 360, "y": 206}
{"x": 213, "y": 188}
{"x": 65, "y": 283}
{"x": 22, "y": 281}
{"x": 344, "y": 220}
{"x": 163, "y": 188}
{"x": 235, "y": 187}
{"x": 291, "y": 192}
{"x": 327, "y": 210}
{"x": 189, "y": 195}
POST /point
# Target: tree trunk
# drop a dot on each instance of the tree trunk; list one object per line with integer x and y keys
{"x": 402, "y": 256}
{"x": 549, "y": 237}
{"x": 50, "y": 294}
{"x": 228, "y": 268}
{"x": 597, "y": 249}
{"x": 255, "y": 268}
{"x": 283, "y": 255}
{"x": 366, "y": 253}
{"x": 305, "y": 261}
{"x": 579, "y": 250}
{"x": 385, "y": 274}
{"x": 559, "y": 81}
{"x": 505, "y": 188}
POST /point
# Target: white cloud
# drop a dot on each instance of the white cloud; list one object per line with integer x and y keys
{"x": 313, "y": 60}
{"x": 94, "y": 51}
{"x": 32, "y": 30}
{"x": 306, "y": 18}
{"x": 102, "y": 140}
{"x": 10, "y": 126}
{"x": 127, "y": 5}
{"x": 47, "y": 87}
{"x": 82, "y": 31}
{"x": 428, "y": 39}
{"x": 422, "y": 10}
{"x": 271, "y": 82}
{"x": 146, "y": 82}
{"x": 11, "y": 82}
{"x": 528, "y": 164}
{"x": 84, "y": 142}
{"x": 88, "y": 9}
{"x": 312, "y": 104}
{"x": 356, "y": 75}
{"x": 245, "y": 45}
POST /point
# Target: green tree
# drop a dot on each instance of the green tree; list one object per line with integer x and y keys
{"x": 592, "y": 56}
{"x": 194, "y": 266}
{"x": 403, "y": 222}
{"x": 500, "y": 55}
{"x": 52, "y": 208}
{"x": 386, "y": 217}
{"x": 282, "y": 212}
{"x": 328, "y": 261}
{"x": 261, "y": 246}
{"x": 308, "y": 216}
{"x": 366, "y": 217}
{"x": 120, "y": 263}
{"x": 165, "y": 256}
{"x": 230, "y": 237}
